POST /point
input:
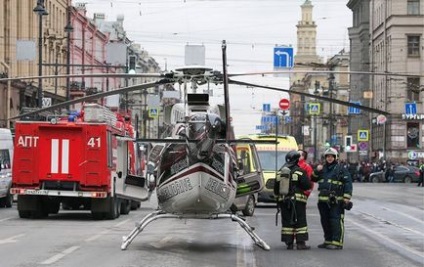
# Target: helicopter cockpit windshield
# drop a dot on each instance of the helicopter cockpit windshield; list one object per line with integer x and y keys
{"x": 197, "y": 125}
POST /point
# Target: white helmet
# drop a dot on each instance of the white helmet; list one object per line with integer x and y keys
{"x": 331, "y": 151}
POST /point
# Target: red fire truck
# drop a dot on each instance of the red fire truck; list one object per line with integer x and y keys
{"x": 75, "y": 162}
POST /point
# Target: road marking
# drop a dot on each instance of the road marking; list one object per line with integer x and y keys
{"x": 60, "y": 255}
{"x": 404, "y": 214}
{"x": 393, "y": 224}
{"x": 5, "y": 219}
{"x": 389, "y": 240}
{"x": 121, "y": 223}
{"x": 245, "y": 256}
{"x": 94, "y": 237}
{"x": 11, "y": 239}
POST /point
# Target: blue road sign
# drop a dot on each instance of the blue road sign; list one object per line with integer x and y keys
{"x": 268, "y": 120}
{"x": 411, "y": 108}
{"x": 363, "y": 135}
{"x": 283, "y": 57}
{"x": 314, "y": 108}
{"x": 354, "y": 110}
{"x": 266, "y": 107}
{"x": 287, "y": 119}
{"x": 153, "y": 112}
{"x": 262, "y": 127}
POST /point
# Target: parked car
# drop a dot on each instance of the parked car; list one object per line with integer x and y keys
{"x": 246, "y": 204}
{"x": 402, "y": 174}
{"x": 6, "y": 156}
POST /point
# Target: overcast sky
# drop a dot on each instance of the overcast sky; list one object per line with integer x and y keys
{"x": 251, "y": 28}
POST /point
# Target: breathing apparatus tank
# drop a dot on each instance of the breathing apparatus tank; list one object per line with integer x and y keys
{"x": 284, "y": 176}
{"x": 283, "y": 180}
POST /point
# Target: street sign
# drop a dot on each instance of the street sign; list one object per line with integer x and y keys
{"x": 287, "y": 119}
{"x": 411, "y": 108}
{"x": 46, "y": 102}
{"x": 262, "y": 127}
{"x": 314, "y": 108}
{"x": 363, "y": 135}
{"x": 284, "y": 104}
{"x": 266, "y": 107}
{"x": 381, "y": 119}
{"x": 354, "y": 110}
{"x": 153, "y": 112}
{"x": 265, "y": 120}
{"x": 283, "y": 57}
{"x": 363, "y": 146}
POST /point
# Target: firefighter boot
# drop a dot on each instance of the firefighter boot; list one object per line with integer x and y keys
{"x": 289, "y": 245}
{"x": 302, "y": 246}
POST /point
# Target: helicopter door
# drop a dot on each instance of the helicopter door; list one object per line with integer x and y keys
{"x": 128, "y": 185}
{"x": 250, "y": 178}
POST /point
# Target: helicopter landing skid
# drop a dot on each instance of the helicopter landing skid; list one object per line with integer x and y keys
{"x": 126, "y": 240}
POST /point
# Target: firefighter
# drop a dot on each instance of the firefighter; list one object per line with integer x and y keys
{"x": 293, "y": 204}
{"x": 335, "y": 192}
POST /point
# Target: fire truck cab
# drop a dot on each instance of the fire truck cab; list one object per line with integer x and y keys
{"x": 74, "y": 161}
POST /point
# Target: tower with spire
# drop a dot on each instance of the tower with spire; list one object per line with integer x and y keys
{"x": 306, "y": 36}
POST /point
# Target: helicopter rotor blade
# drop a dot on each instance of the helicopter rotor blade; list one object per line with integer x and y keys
{"x": 95, "y": 96}
{"x": 88, "y": 75}
{"x": 327, "y": 99}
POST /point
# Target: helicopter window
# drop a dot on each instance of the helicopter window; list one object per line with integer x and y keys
{"x": 197, "y": 126}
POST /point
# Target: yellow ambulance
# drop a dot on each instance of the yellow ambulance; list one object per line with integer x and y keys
{"x": 272, "y": 157}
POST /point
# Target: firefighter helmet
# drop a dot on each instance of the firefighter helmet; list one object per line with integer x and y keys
{"x": 292, "y": 158}
{"x": 331, "y": 151}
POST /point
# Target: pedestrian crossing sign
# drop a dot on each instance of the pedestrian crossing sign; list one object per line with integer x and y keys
{"x": 153, "y": 112}
{"x": 363, "y": 135}
{"x": 314, "y": 108}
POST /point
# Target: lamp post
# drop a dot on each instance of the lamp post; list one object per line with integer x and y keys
{"x": 68, "y": 30}
{"x": 41, "y": 11}
{"x": 330, "y": 91}
{"x": 316, "y": 92}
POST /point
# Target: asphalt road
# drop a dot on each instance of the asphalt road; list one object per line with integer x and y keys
{"x": 384, "y": 228}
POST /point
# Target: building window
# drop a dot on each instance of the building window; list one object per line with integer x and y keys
{"x": 413, "y": 89}
{"x": 414, "y": 46}
{"x": 413, "y": 7}
{"x": 413, "y": 134}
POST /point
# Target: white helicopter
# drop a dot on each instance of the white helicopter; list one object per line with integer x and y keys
{"x": 198, "y": 173}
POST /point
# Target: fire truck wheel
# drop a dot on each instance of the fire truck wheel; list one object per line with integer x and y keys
{"x": 135, "y": 205}
{"x": 115, "y": 208}
{"x": 125, "y": 206}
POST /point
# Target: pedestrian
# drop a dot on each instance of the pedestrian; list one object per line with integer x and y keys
{"x": 390, "y": 173}
{"x": 293, "y": 204}
{"x": 307, "y": 168}
{"x": 421, "y": 181}
{"x": 335, "y": 192}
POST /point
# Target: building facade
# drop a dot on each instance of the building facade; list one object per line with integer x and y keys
{"x": 396, "y": 42}
{"x": 360, "y": 60}
{"x": 20, "y": 39}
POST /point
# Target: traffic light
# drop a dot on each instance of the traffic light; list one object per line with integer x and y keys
{"x": 348, "y": 144}
{"x": 348, "y": 140}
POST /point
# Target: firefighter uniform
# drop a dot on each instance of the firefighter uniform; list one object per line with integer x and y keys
{"x": 335, "y": 191}
{"x": 293, "y": 208}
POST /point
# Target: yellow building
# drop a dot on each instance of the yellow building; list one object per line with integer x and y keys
{"x": 19, "y": 52}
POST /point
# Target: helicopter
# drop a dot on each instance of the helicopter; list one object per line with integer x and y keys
{"x": 198, "y": 172}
